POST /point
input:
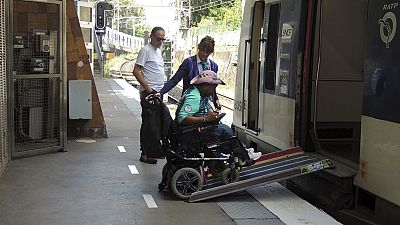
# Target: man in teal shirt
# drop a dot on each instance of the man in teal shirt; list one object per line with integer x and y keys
{"x": 195, "y": 107}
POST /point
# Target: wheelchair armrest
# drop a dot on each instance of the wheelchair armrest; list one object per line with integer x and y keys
{"x": 189, "y": 128}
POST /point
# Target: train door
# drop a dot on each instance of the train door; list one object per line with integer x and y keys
{"x": 337, "y": 78}
{"x": 268, "y": 69}
{"x": 252, "y": 69}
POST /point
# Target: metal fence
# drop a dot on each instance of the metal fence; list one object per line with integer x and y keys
{"x": 37, "y": 77}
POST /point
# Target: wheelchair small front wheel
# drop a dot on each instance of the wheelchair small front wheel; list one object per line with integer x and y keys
{"x": 228, "y": 176}
{"x": 186, "y": 181}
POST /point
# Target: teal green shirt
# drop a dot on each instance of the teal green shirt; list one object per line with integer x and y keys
{"x": 192, "y": 104}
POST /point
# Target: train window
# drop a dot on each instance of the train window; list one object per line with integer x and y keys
{"x": 272, "y": 44}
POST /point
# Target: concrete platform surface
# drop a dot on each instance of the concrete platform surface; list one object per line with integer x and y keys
{"x": 92, "y": 183}
{"x": 102, "y": 181}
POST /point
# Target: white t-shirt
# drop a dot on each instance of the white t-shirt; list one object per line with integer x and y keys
{"x": 153, "y": 66}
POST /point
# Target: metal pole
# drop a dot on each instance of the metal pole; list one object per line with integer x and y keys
{"x": 118, "y": 16}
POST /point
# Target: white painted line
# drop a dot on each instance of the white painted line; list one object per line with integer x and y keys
{"x": 288, "y": 207}
{"x": 128, "y": 90}
{"x": 150, "y": 201}
{"x": 121, "y": 148}
{"x": 133, "y": 169}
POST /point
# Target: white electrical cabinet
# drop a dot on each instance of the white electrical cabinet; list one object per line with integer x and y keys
{"x": 80, "y": 99}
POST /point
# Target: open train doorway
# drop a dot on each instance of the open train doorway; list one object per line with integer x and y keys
{"x": 337, "y": 79}
{"x": 251, "y": 76}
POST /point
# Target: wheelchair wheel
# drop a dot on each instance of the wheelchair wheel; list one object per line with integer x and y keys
{"x": 185, "y": 181}
{"x": 228, "y": 177}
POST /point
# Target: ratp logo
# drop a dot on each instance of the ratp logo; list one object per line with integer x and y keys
{"x": 388, "y": 27}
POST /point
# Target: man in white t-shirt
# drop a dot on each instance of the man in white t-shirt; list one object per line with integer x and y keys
{"x": 149, "y": 72}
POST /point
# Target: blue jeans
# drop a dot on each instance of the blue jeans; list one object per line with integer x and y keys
{"x": 222, "y": 133}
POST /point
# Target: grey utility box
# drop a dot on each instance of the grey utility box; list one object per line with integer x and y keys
{"x": 80, "y": 99}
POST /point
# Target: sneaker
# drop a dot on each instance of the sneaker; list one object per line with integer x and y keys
{"x": 146, "y": 159}
{"x": 253, "y": 155}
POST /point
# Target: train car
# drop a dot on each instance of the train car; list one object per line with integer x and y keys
{"x": 323, "y": 75}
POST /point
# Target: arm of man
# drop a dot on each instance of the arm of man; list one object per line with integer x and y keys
{"x": 180, "y": 73}
{"x": 137, "y": 72}
{"x": 189, "y": 120}
{"x": 217, "y": 104}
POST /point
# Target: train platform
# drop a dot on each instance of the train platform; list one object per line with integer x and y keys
{"x": 102, "y": 181}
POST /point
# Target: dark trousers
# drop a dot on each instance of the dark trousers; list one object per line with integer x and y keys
{"x": 216, "y": 134}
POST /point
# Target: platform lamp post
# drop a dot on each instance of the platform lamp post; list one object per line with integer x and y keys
{"x": 100, "y": 27}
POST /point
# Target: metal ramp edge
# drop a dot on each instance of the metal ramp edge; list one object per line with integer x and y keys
{"x": 307, "y": 164}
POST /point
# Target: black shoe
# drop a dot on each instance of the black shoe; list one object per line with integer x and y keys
{"x": 146, "y": 159}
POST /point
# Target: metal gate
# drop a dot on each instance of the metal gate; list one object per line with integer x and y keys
{"x": 3, "y": 89}
{"x": 37, "y": 84}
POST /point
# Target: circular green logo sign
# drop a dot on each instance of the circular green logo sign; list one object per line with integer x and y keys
{"x": 390, "y": 29}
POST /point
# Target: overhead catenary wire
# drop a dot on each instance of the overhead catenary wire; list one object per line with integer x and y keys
{"x": 210, "y": 5}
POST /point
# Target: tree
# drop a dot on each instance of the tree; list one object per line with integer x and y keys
{"x": 130, "y": 17}
{"x": 197, "y": 15}
{"x": 221, "y": 18}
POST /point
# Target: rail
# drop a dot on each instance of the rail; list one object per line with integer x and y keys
{"x": 174, "y": 95}
{"x": 226, "y": 101}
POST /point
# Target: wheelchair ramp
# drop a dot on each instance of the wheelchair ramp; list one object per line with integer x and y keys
{"x": 269, "y": 168}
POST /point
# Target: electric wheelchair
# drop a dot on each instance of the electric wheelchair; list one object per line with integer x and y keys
{"x": 190, "y": 160}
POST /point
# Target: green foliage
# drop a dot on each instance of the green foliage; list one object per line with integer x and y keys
{"x": 219, "y": 18}
{"x": 127, "y": 25}
{"x": 196, "y": 16}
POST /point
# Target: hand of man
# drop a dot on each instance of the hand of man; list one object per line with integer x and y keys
{"x": 149, "y": 89}
{"x": 217, "y": 105}
{"x": 211, "y": 116}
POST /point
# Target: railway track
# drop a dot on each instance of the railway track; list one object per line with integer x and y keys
{"x": 174, "y": 95}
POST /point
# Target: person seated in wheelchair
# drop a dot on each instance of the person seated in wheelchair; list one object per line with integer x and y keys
{"x": 195, "y": 107}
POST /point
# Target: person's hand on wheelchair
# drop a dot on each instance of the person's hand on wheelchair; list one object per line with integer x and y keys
{"x": 153, "y": 98}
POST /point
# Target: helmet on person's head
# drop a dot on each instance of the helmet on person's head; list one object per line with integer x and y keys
{"x": 208, "y": 77}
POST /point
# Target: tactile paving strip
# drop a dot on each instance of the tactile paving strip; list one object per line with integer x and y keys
{"x": 259, "y": 222}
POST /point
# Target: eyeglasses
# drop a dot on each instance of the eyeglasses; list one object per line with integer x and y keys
{"x": 160, "y": 39}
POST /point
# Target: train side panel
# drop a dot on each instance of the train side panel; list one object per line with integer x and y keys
{"x": 379, "y": 167}
{"x": 349, "y": 103}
